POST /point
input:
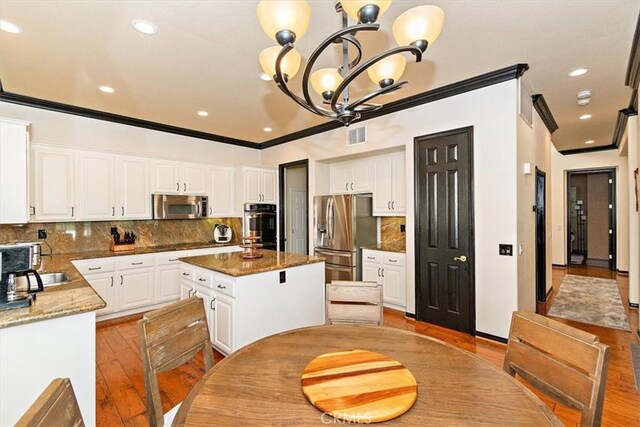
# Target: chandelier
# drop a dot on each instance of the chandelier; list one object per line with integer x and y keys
{"x": 286, "y": 21}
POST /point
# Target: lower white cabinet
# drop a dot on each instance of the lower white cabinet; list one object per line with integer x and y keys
{"x": 136, "y": 288}
{"x": 103, "y": 283}
{"x": 223, "y": 310}
{"x": 388, "y": 270}
{"x": 167, "y": 283}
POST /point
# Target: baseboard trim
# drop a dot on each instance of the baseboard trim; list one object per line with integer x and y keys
{"x": 491, "y": 337}
{"x": 548, "y": 293}
{"x": 622, "y": 271}
{"x": 411, "y": 315}
{"x": 633, "y": 305}
{"x": 559, "y": 265}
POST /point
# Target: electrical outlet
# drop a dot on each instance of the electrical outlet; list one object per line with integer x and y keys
{"x": 403, "y": 228}
{"x": 42, "y": 234}
{"x": 506, "y": 250}
{"x": 283, "y": 276}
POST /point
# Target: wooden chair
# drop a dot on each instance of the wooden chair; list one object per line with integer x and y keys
{"x": 56, "y": 406}
{"x": 354, "y": 303}
{"x": 169, "y": 337}
{"x": 565, "y": 363}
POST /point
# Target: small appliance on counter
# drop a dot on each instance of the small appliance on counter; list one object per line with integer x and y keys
{"x": 122, "y": 243}
{"x": 222, "y": 233}
{"x": 17, "y": 260}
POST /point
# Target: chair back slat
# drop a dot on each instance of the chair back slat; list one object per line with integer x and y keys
{"x": 172, "y": 318}
{"x": 168, "y": 354}
{"x": 354, "y": 303}
{"x": 567, "y": 364}
{"x": 56, "y": 406}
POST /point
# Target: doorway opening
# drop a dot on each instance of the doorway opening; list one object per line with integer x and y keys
{"x": 591, "y": 218}
{"x": 541, "y": 237}
{"x": 445, "y": 286}
{"x": 294, "y": 207}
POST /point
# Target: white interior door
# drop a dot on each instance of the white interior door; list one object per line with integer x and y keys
{"x": 298, "y": 224}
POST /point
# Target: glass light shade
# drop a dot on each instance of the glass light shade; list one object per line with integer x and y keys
{"x": 276, "y": 15}
{"x": 325, "y": 80}
{"x": 353, "y": 6}
{"x": 290, "y": 63}
{"x": 419, "y": 23}
{"x": 390, "y": 67}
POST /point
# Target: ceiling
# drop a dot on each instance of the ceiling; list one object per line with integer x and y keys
{"x": 204, "y": 57}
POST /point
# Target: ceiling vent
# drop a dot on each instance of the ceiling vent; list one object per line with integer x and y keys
{"x": 357, "y": 135}
{"x": 525, "y": 104}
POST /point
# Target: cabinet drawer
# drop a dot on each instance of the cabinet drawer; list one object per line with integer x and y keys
{"x": 224, "y": 286}
{"x": 169, "y": 258}
{"x": 394, "y": 259}
{"x": 188, "y": 274}
{"x": 93, "y": 266}
{"x": 134, "y": 261}
{"x": 203, "y": 279}
{"x": 371, "y": 256}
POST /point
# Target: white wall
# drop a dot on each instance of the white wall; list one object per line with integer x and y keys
{"x": 492, "y": 113}
{"x": 598, "y": 159}
{"x": 50, "y": 127}
{"x": 633, "y": 157}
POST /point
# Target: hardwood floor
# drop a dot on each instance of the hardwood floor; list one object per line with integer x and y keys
{"x": 121, "y": 394}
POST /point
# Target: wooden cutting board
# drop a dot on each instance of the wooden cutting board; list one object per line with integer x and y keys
{"x": 359, "y": 386}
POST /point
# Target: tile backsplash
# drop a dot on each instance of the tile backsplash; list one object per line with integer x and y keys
{"x": 69, "y": 237}
{"x": 390, "y": 229}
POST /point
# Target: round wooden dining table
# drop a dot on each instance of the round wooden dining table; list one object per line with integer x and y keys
{"x": 260, "y": 384}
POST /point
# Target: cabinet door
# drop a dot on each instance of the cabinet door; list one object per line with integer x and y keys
{"x": 382, "y": 185}
{"x": 53, "y": 184}
{"x": 167, "y": 283}
{"x": 186, "y": 289}
{"x": 269, "y": 190}
{"x": 371, "y": 272}
{"x": 223, "y": 323}
{"x": 14, "y": 172}
{"x": 103, "y": 284}
{"x": 393, "y": 285}
{"x": 135, "y": 288}
{"x": 165, "y": 178}
{"x": 207, "y": 300}
{"x": 361, "y": 176}
{"x": 193, "y": 180}
{"x": 399, "y": 183}
{"x": 96, "y": 194}
{"x": 252, "y": 186}
{"x": 221, "y": 192}
{"x": 340, "y": 177}
{"x": 134, "y": 197}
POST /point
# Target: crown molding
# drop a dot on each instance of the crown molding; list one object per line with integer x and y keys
{"x": 632, "y": 78}
{"x": 541, "y": 106}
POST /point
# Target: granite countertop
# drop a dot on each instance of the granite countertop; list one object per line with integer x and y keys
{"x": 233, "y": 264}
{"x": 76, "y": 296}
{"x": 399, "y": 247}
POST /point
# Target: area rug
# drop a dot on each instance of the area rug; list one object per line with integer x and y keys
{"x": 635, "y": 357}
{"x": 590, "y": 300}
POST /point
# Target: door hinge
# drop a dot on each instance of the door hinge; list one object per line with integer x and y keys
{"x": 610, "y": 256}
{"x": 610, "y": 231}
{"x": 610, "y": 206}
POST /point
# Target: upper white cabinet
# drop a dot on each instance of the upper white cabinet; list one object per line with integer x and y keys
{"x": 259, "y": 185}
{"x": 351, "y": 177}
{"x": 222, "y": 182}
{"x": 132, "y": 184}
{"x": 14, "y": 171}
{"x": 389, "y": 187}
{"x": 178, "y": 178}
{"x": 53, "y": 184}
{"x": 96, "y": 185}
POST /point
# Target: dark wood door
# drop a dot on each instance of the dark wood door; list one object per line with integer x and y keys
{"x": 444, "y": 229}
{"x": 541, "y": 238}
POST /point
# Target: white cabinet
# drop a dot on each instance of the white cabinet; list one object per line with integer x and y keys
{"x": 14, "y": 171}
{"x": 351, "y": 177}
{"x": 389, "y": 188}
{"x": 53, "y": 184}
{"x": 132, "y": 184}
{"x": 178, "y": 178}
{"x": 223, "y": 310}
{"x": 103, "y": 284}
{"x": 95, "y": 186}
{"x": 388, "y": 270}
{"x": 222, "y": 182}
{"x": 136, "y": 288}
{"x": 259, "y": 185}
{"x": 167, "y": 283}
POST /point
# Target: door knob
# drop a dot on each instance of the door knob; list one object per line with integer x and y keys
{"x": 461, "y": 258}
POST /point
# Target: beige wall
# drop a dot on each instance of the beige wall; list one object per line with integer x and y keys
{"x": 633, "y": 155}
{"x": 598, "y": 216}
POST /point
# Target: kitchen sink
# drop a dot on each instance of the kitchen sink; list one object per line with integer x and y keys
{"x": 48, "y": 279}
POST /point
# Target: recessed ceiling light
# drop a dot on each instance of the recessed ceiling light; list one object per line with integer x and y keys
{"x": 265, "y": 77}
{"x": 591, "y": 141}
{"x": 9, "y": 27}
{"x": 585, "y": 101}
{"x": 144, "y": 27}
{"x": 203, "y": 113}
{"x": 106, "y": 89}
{"x": 584, "y": 94}
{"x": 267, "y": 129}
{"x": 579, "y": 72}
{"x": 585, "y": 116}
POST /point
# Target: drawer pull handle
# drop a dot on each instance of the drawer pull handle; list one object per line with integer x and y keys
{"x": 174, "y": 259}
{"x": 393, "y": 260}
{"x": 94, "y": 268}
{"x": 185, "y": 274}
{"x": 201, "y": 279}
{"x": 211, "y": 304}
{"x": 136, "y": 263}
{"x": 190, "y": 292}
{"x": 222, "y": 287}
{"x": 371, "y": 257}
{"x": 378, "y": 272}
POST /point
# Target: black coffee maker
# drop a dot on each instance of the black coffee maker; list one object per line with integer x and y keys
{"x": 15, "y": 261}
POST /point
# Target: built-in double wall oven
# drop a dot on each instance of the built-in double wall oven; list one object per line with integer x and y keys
{"x": 261, "y": 219}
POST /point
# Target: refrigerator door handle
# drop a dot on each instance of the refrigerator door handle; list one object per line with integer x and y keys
{"x": 333, "y": 253}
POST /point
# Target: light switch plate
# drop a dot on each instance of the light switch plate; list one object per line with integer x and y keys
{"x": 505, "y": 250}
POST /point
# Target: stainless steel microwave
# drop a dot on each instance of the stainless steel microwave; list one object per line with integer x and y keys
{"x": 175, "y": 206}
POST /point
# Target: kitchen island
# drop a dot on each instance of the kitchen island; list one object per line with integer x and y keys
{"x": 249, "y": 299}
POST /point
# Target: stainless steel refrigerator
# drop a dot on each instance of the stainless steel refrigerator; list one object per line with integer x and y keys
{"x": 343, "y": 223}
